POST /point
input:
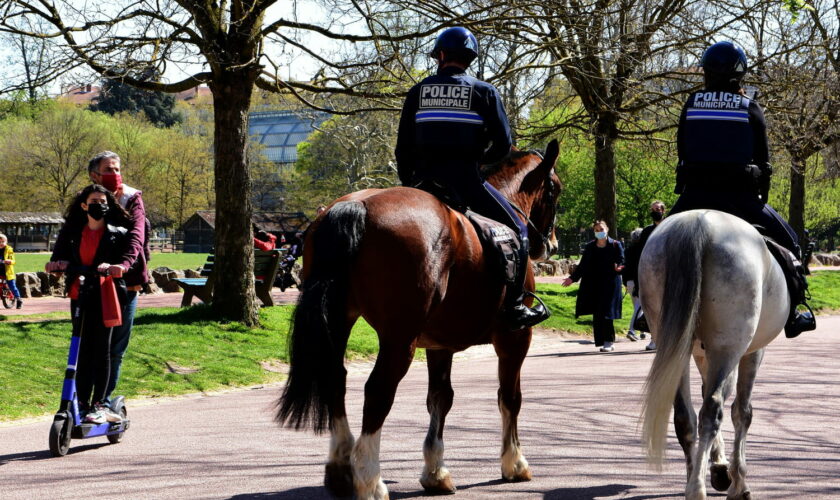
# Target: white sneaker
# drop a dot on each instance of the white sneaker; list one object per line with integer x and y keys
{"x": 107, "y": 413}
{"x": 632, "y": 336}
{"x": 608, "y": 347}
{"x": 95, "y": 417}
{"x": 651, "y": 346}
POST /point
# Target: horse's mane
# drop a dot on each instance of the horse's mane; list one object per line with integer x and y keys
{"x": 494, "y": 168}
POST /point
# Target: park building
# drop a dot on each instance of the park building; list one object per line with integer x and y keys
{"x": 31, "y": 231}
{"x": 199, "y": 230}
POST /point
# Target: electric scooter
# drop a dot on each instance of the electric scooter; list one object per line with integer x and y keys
{"x": 67, "y": 423}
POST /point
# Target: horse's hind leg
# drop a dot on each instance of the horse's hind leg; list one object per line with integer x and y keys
{"x": 511, "y": 355}
{"x": 718, "y": 471}
{"x": 685, "y": 420}
{"x": 338, "y": 474}
{"x": 720, "y": 371}
{"x": 392, "y": 363}
{"x": 435, "y": 477}
{"x": 742, "y": 418}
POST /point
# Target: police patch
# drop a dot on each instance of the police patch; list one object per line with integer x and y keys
{"x": 445, "y": 96}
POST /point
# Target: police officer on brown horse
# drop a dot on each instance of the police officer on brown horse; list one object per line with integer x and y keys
{"x": 451, "y": 123}
{"x": 724, "y": 164}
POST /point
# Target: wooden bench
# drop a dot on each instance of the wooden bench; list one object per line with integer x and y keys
{"x": 266, "y": 265}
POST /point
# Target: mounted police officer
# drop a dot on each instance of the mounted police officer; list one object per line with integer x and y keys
{"x": 451, "y": 123}
{"x": 724, "y": 163}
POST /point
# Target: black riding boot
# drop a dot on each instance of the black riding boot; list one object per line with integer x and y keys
{"x": 799, "y": 321}
{"x": 517, "y": 315}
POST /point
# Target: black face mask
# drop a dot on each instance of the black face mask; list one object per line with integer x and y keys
{"x": 97, "y": 210}
{"x": 656, "y": 216}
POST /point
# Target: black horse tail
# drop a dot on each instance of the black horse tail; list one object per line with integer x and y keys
{"x": 319, "y": 329}
{"x": 686, "y": 242}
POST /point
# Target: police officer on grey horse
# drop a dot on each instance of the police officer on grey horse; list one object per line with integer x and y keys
{"x": 724, "y": 164}
{"x": 451, "y": 123}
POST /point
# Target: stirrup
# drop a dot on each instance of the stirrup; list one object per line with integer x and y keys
{"x": 541, "y": 306}
{"x": 798, "y": 323}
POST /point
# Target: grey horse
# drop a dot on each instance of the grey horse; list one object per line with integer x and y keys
{"x": 711, "y": 289}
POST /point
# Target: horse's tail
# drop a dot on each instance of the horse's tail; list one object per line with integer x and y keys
{"x": 319, "y": 327}
{"x": 686, "y": 243}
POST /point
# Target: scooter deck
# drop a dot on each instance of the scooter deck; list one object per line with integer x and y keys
{"x": 88, "y": 430}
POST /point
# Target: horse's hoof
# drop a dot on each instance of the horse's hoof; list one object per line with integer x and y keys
{"x": 338, "y": 479}
{"x": 744, "y": 495}
{"x": 443, "y": 486}
{"x": 720, "y": 477}
{"x": 522, "y": 475}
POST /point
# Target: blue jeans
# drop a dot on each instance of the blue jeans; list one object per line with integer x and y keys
{"x": 13, "y": 287}
{"x": 119, "y": 342}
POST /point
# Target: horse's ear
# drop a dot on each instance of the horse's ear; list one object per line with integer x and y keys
{"x": 552, "y": 151}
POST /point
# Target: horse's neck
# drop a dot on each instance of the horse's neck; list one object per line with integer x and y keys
{"x": 511, "y": 189}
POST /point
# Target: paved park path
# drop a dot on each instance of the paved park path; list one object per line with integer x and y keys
{"x": 578, "y": 429}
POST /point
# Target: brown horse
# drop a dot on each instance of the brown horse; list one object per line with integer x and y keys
{"x": 415, "y": 270}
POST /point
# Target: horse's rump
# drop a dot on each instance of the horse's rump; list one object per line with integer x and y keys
{"x": 425, "y": 260}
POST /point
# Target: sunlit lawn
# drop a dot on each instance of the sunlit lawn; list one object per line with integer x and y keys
{"x": 33, "y": 262}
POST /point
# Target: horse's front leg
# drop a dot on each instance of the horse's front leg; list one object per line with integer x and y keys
{"x": 435, "y": 478}
{"x": 392, "y": 363}
{"x": 742, "y": 418}
{"x": 511, "y": 347}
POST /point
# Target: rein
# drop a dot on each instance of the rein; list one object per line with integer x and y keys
{"x": 544, "y": 237}
{"x": 533, "y": 226}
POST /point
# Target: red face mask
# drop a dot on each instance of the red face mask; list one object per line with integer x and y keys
{"x": 111, "y": 182}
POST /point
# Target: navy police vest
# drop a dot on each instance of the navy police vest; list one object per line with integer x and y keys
{"x": 716, "y": 130}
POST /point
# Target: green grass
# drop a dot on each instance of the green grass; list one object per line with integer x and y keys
{"x": 33, "y": 349}
{"x": 33, "y": 262}
{"x": 33, "y": 356}
{"x": 825, "y": 291}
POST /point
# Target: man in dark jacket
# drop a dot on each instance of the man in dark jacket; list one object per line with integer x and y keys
{"x": 450, "y": 124}
{"x": 105, "y": 169}
{"x": 724, "y": 162}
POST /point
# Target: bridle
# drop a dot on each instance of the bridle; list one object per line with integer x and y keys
{"x": 550, "y": 194}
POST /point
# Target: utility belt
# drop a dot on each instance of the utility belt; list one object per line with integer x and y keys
{"x": 724, "y": 178}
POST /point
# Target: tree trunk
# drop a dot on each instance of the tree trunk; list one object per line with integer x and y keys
{"x": 796, "y": 208}
{"x": 605, "y": 134}
{"x": 233, "y": 294}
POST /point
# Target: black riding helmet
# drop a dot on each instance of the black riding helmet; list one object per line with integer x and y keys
{"x": 457, "y": 40}
{"x": 724, "y": 66}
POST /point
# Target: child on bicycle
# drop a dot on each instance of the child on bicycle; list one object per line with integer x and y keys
{"x": 93, "y": 242}
{"x": 7, "y": 261}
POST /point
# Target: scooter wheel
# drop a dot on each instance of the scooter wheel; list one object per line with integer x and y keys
{"x": 116, "y": 438}
{"x": 60, "y": 434}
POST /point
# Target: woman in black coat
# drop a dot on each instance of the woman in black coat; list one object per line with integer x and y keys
{"x": 92, "y": 239}
{"x": 600, "y": 291}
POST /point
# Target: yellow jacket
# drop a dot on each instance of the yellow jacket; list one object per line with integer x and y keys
{"x": 9, "y": 254}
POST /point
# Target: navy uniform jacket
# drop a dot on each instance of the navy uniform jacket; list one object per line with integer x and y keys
{"x": 451, "y": 119}
{"x": 720, "y": 134}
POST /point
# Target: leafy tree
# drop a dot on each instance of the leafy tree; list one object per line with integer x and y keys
{"x": 349, "y": 153}
{"x": 117, "y": 97}
{"x": 46, "y": 157}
